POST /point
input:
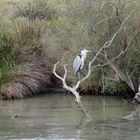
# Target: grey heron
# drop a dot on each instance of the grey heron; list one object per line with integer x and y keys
{"x": 79, "y": 62}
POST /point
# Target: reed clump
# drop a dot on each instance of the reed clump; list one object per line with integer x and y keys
{"x": 29, "y": 79}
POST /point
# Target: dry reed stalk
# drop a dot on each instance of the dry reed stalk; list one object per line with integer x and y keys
{"x": 29, "y": 80}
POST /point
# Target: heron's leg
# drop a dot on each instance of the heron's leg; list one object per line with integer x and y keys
{"x": 78, "y": 75}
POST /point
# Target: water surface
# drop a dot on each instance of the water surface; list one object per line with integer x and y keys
{"x": 57, "y": 117}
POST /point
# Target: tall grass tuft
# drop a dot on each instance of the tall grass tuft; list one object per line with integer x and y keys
{"x": 29, "y": 79}
{"x": 32, "y": 10}
{"x": 23, "y": 34}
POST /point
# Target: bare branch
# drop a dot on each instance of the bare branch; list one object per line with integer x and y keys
{"x": 75, "y": 93}
{"x": 74, "y": 89}
{"x": 121, "y": 75}
{"x": 54, "y": 71}
{"x": 110, "y": 42}
{"x": 65, "y": 74}
{"x": 120, "y": 54}
{"x": 124, "y": 77}
{"x": 130, "y": 81}
{"x": 106, "y": 45}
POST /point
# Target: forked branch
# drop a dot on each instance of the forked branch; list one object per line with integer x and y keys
{"x": 106, "y": 45}
{"x": 75, "y": 93}
{"x": 90, "y": 68}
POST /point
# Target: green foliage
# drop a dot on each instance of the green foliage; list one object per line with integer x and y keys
{"x": 32, "y": 10}
{"x": 114, "y": 87}
{"x": 22, "y": 33}
{"x": 61, "y": 28}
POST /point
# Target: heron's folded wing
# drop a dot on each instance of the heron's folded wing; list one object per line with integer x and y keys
{"x": 76, "y": 64}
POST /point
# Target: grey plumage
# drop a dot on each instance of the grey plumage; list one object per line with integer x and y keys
{"x": 79, "y": 62}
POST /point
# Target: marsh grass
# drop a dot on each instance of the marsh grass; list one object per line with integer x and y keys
{"x": 27, "y": 80}
{"x": 23, "y": 70}
{"x": 32, "y": 10}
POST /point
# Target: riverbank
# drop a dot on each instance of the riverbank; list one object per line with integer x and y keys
{"x": 34, "y": 35}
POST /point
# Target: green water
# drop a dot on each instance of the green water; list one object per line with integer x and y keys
{"x": 57, "y": 117}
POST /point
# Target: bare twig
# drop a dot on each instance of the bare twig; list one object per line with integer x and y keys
{"x": 74, "y": 88}
{"x": 106, "y": 45}
{"x": 124, "y": 77}
{"x": 75, "y": 93}
{"x": 106, "y": 125}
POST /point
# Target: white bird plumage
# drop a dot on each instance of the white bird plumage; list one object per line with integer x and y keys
{"x": 79, "y": 61}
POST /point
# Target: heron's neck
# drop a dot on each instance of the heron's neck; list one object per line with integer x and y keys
{"x": 84, "y": 55}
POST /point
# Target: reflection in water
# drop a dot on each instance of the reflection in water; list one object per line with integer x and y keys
{"x": 57, "y": 116}
{"x": 134, "y": 115}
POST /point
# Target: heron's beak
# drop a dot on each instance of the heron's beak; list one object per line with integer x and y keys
{"x": 89, "y": 51}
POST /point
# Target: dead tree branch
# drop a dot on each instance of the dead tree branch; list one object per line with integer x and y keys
{"x": 90, "y": 68}
{"x": 106, "y": 45}
{"x": 75, "y": 93}
{"x": 122, "y": 75}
